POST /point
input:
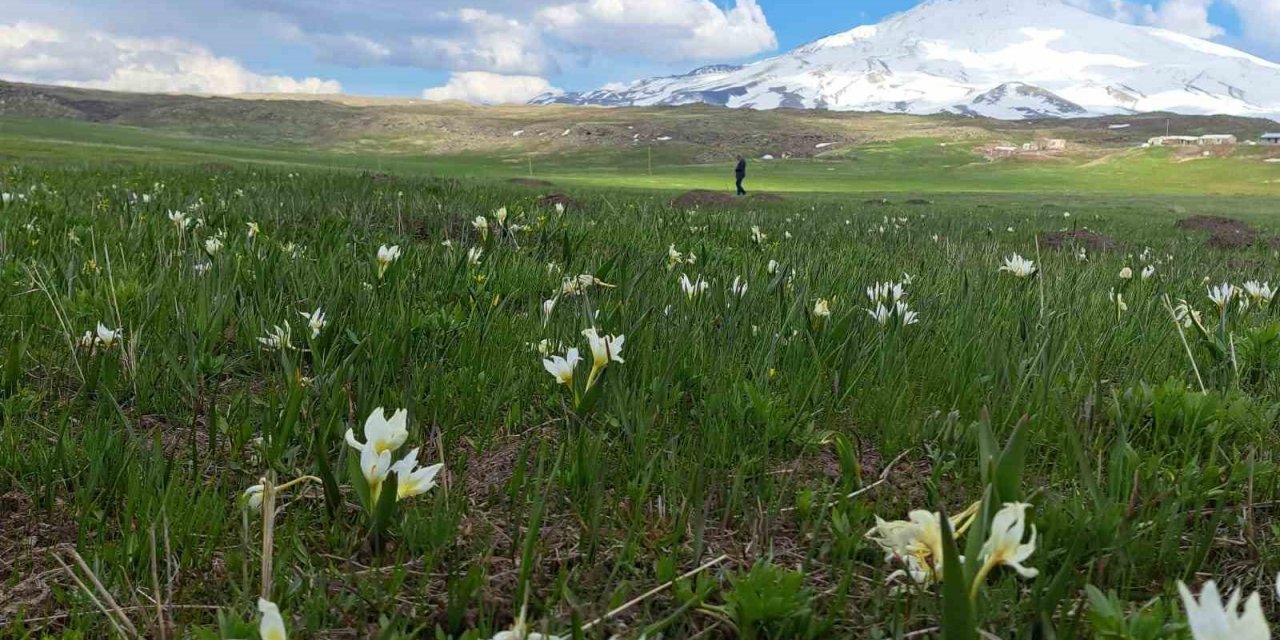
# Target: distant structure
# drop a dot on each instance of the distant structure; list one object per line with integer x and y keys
{"x": 1270, "y": 138}
{"x": 1052, "y": 144}
{"x": 1217, "y": 139}
{"x": 1212, "y": 140}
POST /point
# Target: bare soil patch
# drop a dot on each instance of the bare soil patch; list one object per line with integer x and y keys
{"x": 704, "y": 198}
{"x": 561, "y": 199}
{"x": 1225, "y": 233}
{"x": 1060, "y": 240}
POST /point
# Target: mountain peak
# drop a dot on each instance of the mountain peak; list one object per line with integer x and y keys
{"x": 995, "y": 58}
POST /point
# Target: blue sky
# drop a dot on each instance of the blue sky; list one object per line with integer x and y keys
{"x": 477, "y": 50}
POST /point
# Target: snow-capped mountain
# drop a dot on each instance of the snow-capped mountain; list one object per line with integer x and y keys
{"x": 1009, "y": 59}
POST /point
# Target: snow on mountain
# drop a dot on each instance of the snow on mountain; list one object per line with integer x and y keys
{"x": 1009, "y": 59}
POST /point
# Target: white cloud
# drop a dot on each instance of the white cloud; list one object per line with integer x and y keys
{"x": 34, "y": 52}
{"x": 462, "y": 40}
{"x": 1260, "y": 20}
{"x": 665, "y": 29}
{"x": 1184, "y": 16}
{"x": 490, "y": 88}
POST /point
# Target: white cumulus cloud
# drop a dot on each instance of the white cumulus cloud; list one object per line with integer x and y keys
{"x": 1184, "y": 16}
{"x": 665, "y": 29}
{"x": 1260, "y": 20}
{"x": 35, "y": 52}
{"x": 482, "y": 87}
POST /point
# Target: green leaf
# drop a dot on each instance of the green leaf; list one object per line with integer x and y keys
{"x": 958, "y": 622}
{"x": 1008, "y": 473}
{"x": 332, "y": 496}
{"x": 383, "y": 513}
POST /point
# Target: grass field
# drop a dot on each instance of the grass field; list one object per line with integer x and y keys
{"x": 916, "y": 165}
{"x": 192, "y": 326}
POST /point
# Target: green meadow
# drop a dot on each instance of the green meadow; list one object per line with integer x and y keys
{"x": 920, "y": 395}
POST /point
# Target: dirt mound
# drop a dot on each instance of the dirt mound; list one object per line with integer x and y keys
{"x": 877, "y": 201}
{"x": 1214, "y": 224}
{"x": 558, "y": 199}
{"x": 767, "y": 198}
{"x": 530, "y": 182}
{"x": 1226, "y": 233}
{"x": 379, "y": 177}
{"x": 1060, "y": 240}
{"x": 919, "y": 201}
{"x": 703, "y": 198}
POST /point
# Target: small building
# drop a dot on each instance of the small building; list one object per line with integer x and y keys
{"x": 1270, "y": 138}
{"x": 1002, "y": 152}
{"x": 1216, "y": 140}
{"x": 1173, "y": 141}
{"x": 1051, "y": 144}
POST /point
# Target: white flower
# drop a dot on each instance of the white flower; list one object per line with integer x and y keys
{"x": 315, "y": 320}
{"x": 691, "y": 288}
{"x": 374, "y": 466}
{"x": 380, "y": 433}
{"x": 1261, "y": 292}
{"x": 501, "y": 216}
{"x": 179, "y": 220}
{"x": 1222, "y": 294}
{"x": 201, "y": 268}
{"x": 1082, "y": 255}
{"x": 386, "y": 256}
{"x": 548, "y": 307}
{"x": 822, "y": 308}
{"x": 786, "y": 235}
{"x": 906, "y": 315}
{"x": 411, "y": 480}
{"x": 271, "y": 626}
{"x": 212, "y": 245}
{"x": 562, "y": 366}
{"x": 1126, "y": 274}
{"x": 481, "y": 225}
{"x": 1004, "y": 545}
{"x": 520, "y": 631}
{"x": 1184, "y": 314}
{"x": 251, "y": 229}
{"x": 6, "y": 198}
{"x": 773, "y": 267}
{"x": 917, "y": 541}
{"x": 604, "y": 349}
{"x": 1019, "y": 266}
{"x": 674, "y": 257}
{"x": 107, "y": 338}
{"x": 474, "y": 254}
{"x": 886, "y": 292}
{"x": 1209, "y": 619}
{"x": 739, "y": 287}
{"x": 880, "y": 314}
{"x": 1148, "y": 271}
{"x": 279, "y": 338}
{"x": 253, "y": 497}
{"x": 1117, "y": 299}
{"x": 559, "y": 207}
{"x": 757, "y": 236}
{"x": 447, "y": 244}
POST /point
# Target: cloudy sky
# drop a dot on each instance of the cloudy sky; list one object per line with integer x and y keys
{"x": 478, "y": 50}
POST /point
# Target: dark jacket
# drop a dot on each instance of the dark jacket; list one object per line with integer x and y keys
{"x": 741, "y": 169}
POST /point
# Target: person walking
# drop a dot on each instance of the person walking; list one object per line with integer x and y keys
{"x": 740, "y": 172}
